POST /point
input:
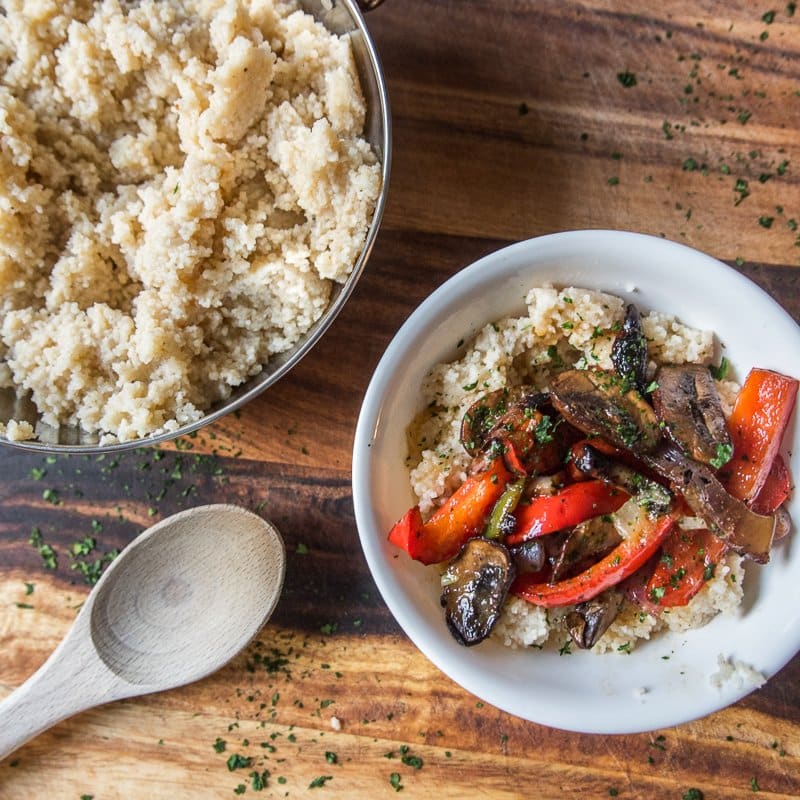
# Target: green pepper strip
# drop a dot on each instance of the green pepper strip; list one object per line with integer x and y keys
{"x": 506, "y": 504}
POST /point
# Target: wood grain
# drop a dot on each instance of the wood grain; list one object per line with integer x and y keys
{"x": 509, "y": 121}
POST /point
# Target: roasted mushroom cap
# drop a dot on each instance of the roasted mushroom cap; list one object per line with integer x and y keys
{"x": 475, "y": 586}
{"x": 529, "y": 556}
{"x": 588, "y": 621}
{"x": 597, "y": 402}
{"x": 629, "y": 351}
{"x": 745, "y": 531}
{"x": 688, "y": 404}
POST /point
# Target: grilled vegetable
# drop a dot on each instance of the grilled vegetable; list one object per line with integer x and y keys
{"x": 529, "y": 556}
{"x": 588, "y": 621}
{"x": 688, "y": 404}
{"x": 462, "y": 516}
{"x": 688, "y": 559}
{"x": 759, "y": 419}
{"x": 598, "y": 403}
{"x": 522, "y": 426}
{"x": 474, "y": 588}
{"x": 730, "y": 519}
{"x": 629, "y": 351}
{"x": 645, "y": 536}
{"x": 482, "y": 416}
{"x": 650, "y": 494}
{"x": 570, "y": 506}
{"x": 584, "y": 544}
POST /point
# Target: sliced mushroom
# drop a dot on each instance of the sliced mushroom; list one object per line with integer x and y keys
{"x": 588, "y": 621}
{"x": 475, "y": 586}
{"x": 597, "y": 402}
{"x": 688, "y": 404}
{"x": 585, "y": 544}
{"x": 629, "y": 351}
{"x": 648, "y": 493}
{"x": 746, "y": 532}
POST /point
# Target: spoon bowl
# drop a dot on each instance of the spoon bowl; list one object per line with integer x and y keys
{"x": 179, "y": 603}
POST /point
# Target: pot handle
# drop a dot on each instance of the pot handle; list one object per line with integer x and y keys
{"x": 368, "y": 5}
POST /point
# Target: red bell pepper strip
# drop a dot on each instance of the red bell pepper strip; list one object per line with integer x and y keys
{"x": 572, "y": 505}
{"x": 645, "y": 539}
{"x": 462, "y": 516}
{"x": 757, "y": 424}
{"x": 776, "y": 488}
{"x": 688, "y": 560}
{"x": 406, "y": 532}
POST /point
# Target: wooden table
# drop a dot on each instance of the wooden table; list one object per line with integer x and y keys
{"x": 511, "y": 119}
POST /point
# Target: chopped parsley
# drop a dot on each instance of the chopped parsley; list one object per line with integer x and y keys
{"x": 219, "y": 745}
{"x": 692, "y": 794}
{"x": 657, "y": 592}
{"x": 259, "y": 780}
{"x": 328, "y": 628}
{"x": 395, "y": 781}
{"x": 724, "y": 453}
{"x": 543, "y": 432}
{"x": 45, "y": 550}
{"x": 721, "y": 372}
{"x": 766, "y": 222}
{"x": 627, "y": 79}
{"x": 320, "y": 780}
{"x": 410, "y": 760}
{"x": 237, "y": 761}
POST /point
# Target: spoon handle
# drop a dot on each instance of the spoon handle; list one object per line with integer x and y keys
{"x": 71, "y": 680}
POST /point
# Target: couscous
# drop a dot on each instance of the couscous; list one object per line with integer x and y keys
{"x": 181, "y": 184}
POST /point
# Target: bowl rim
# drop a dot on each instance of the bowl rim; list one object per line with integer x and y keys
{"x": 371, "y": 418}
{"x": 316, "y": 331}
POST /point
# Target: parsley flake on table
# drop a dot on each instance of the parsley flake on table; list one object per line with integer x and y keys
{"x": 627, "y": 79}
{"x": 319, "y": 781}
{"x": 259, "y": 780}
{"x": 395, "y": 781}
{"x": 45, "y": 550}
{"x": 237, "y": 761}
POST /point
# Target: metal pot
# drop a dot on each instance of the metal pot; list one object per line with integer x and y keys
{"x": 342, "y": 17}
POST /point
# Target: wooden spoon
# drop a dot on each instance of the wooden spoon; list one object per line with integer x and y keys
{"x": 178, "y": 603}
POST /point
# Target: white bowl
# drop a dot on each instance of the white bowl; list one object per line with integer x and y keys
{"x": 665, "y": 681}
